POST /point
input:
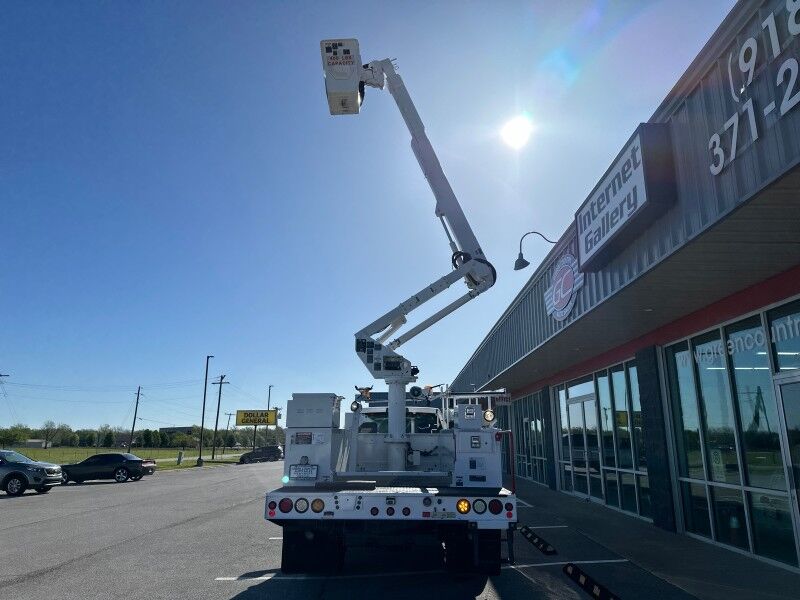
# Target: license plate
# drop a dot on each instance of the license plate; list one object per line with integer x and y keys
{"x": 302, "y": 471}
{"x": 444, "y": 515}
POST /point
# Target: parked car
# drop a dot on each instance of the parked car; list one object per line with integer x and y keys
{"x": 262, "y": 454}
{"x": 117, "y": 466}
{"x": 18, "y": 473}
{"x": 148, "y": 467}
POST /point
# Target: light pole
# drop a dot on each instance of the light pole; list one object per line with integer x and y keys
{"x": 216, "y": 422}
{"x": 521, "y": 263}
{"x": 203, "y": 417}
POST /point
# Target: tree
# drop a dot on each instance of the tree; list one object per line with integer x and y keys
{"x": 48, "y": 432}
{"x": 181, "y": 440}
{"x": 9, "y": 437}
{"x": 146, "y": 438}
{"x": 108, "y": 439}
{"x": 86, "y": 438}
{"x": 156, "y": 438}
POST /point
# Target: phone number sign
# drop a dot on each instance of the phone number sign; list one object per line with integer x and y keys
{"x": 765, "y": 63}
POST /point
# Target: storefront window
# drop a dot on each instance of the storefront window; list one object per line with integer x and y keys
{"x": 772, "y": 527}
{"x": 628, "y": 486}
{"x": 784, "y": 324}
{"x": 644, "y": 495}
{"x": 684, "y": 408}
{"x": 718, "y": 411}
{"x": 758, "y": 410}
{"x": 562, "y": 402}
{"x": 695, "y": 509}
{"x": 580, "y": 387}
{"x": 636, "y": 414}
{"x": 729, "y": 519}
{"x": 620, "y": 400}
{"x": 606, "y": 420}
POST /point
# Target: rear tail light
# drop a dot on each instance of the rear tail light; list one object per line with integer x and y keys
{"x": 285, "y": 505}
{"x": 390, "y": 511}
{"x": 301, "y": 505}
{"x": 509, "y": 506}
{"x": 479, "y": 506}
{"x": 498, "y": 436}
{"x": 406, "y": 511}
{"x": 317, "y": 505}
{"x": 374, "y": 511}
{"x": 272, "y": 505}
{"x": 495, "y": 506}
{"x": 462, "y": 506}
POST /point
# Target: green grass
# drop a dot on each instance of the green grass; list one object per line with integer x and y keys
{"x": 65, "y": 455}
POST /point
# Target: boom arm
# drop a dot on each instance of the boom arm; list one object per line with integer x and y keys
{"x": 468, "y": 259}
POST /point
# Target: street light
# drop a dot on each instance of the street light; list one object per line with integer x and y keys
{"x": 521, "y": 263}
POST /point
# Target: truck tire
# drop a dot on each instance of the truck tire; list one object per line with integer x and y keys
{"x": 311, "y": 550}
{"x": 489, "y": 551}
{"x": 458, "y": 553}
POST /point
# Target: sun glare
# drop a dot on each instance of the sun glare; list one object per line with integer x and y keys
{"x": 517, "y": 131}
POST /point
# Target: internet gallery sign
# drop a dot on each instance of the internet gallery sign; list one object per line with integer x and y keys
{"x": 638, "y": 186}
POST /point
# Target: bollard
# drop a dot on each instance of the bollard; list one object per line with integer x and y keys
{"x": 180, "y": 456}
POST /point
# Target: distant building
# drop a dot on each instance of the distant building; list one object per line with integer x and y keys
{"x": 172, "y": 430}
{"x": 37, "y": 444}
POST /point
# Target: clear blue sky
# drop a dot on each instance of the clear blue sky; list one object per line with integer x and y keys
{"x": 172, "y": 184}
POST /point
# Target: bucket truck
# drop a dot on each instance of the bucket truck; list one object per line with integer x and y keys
{"x": 395, "y": 473}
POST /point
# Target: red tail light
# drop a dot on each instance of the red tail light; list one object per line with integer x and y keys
{"x": 272, "y": 505}
{"x": 495, "y": 506}
{"x": 286, "y": 505}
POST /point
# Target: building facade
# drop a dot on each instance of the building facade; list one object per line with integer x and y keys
{"x": 653, "y": 358}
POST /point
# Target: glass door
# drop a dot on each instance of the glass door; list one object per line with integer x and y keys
{"x": 578, "y": 439}
{"x": 592, "y": 448}
{"x": 789, "y": 392}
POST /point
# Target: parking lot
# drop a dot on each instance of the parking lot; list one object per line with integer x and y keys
{"x": 201, "y": 534}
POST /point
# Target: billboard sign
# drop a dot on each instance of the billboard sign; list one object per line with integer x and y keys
{"x": 257, "y": 417}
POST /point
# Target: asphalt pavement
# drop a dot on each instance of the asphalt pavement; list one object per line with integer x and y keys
{"x": 200, "y": 533}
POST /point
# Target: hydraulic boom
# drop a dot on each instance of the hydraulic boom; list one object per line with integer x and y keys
{"x": 345, "y": 82}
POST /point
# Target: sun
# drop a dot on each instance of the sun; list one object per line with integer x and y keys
{"x": 517, "y": 131}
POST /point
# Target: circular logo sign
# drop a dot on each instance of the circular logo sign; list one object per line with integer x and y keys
{"x": 567, "y": 279}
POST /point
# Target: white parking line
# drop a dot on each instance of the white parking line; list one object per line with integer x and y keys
{"x": 281, "y": 576}
{"x": 566, "y": 562}
{"x": 547, "y": 526}
{"x": 522, "y": 502}
{"x": 275, "y": 538}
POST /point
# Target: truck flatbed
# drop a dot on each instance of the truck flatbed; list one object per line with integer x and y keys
{"x": 393, "y": 490}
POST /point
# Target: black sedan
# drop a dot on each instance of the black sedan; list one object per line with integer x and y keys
{"x": 118, "y": 466}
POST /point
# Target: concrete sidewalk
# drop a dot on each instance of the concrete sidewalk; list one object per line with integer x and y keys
{"x": 703, "y": 570}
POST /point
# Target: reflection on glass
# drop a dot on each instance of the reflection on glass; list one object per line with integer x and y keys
{"x": 636, "y": 415}
{"x": 758, "y": 410}
{"x": 592, "y": 448}
{"x": 628, "y": 487}
{"x": 562, "y": 402}
{"x": 566, "y": 477}
{"x": 784, "y": 325}
{"x": 606, "y": 420}
{"x": 720, "y": 441}
{"x": 695, "y": 509}
{"x": 612, "y": 488}
{"x": 790, "y": 393}
{"x": 580, "y": 387}
{"x": 684, "y": 408}
{"x": 729, "y": 519}
{"x": 772, "y": 527}
{"x": 645, "y": 508}
{"x": 578, "y": 448}
{"x": 624, "y": 454}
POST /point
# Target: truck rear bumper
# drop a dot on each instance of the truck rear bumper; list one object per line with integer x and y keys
{"x": 410, "y": 506}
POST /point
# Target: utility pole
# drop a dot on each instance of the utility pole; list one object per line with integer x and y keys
{"x": 226, "y": 431}
{"x": 203, "y": 418}
{"x": 9, "y": 404}
{"x": 216, "y": 422}
{"x": 135, "y": 412}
